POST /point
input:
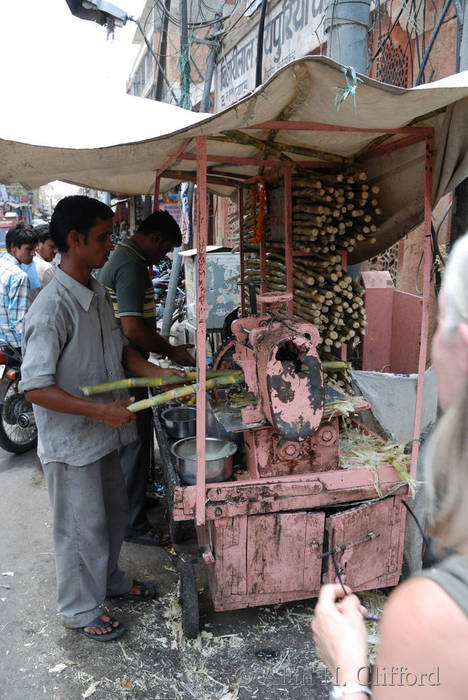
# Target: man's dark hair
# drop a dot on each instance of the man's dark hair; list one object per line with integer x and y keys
{"x": 43, "y": 232}
{"x": 162, "y": 222}
{"x": 20, "y": 234}
{"x": 77, "y": 213}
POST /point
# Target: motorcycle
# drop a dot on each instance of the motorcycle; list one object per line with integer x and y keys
{"x": 18, "y": 431}
{"x": 161, "y": 277}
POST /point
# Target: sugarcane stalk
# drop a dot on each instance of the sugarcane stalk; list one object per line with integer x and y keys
{"x": 131, "y": 382}
{"x": 235, "y": 377}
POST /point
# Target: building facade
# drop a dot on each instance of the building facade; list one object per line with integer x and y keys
{"x": 407, "y": 44}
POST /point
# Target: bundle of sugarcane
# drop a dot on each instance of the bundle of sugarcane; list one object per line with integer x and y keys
{"x": 333, "y": 211}
{"x": 324, "y": 294}
{"x": 340, "y": 377}
{"x": 154, "y": 382}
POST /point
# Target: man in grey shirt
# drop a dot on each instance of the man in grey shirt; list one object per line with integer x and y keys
{"x": 71, "y": 339}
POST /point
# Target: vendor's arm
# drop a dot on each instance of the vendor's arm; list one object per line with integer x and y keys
{"x": 44, "y": 338}
{"x": 135, "y": 330}
{"x": 136, "y": 365}
{"x": 132, "y": 295}
{"x": 113, "y": 414}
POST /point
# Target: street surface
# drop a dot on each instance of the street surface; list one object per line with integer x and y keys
{"x": 263, "y": 653}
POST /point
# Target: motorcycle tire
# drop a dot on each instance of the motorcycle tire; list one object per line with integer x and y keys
{"x": 13, "y": 437}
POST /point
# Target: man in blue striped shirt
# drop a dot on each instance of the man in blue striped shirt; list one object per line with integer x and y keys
{"x": 21, "y": 242}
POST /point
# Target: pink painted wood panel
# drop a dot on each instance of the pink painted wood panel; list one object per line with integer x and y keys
{"x": 229, "y": 544}
{"x": 366, "y": 563}
{"x": 393, "y": 333}
{"x": 300, "y": 491}
{"x": 282, "y": 552}
{"x": 377, "y": 343}
{"x": 406, "y": 332}
{"x": 222, "y": 603}
{"x": 315, "y": 529}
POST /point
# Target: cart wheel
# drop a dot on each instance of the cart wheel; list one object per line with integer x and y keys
{"x": 189, "y": 600}
{"x": 175, "y": 531}
{"x": 179, "y": 531}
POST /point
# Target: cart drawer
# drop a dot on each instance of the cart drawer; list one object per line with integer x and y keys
{"x": 282, "y": 551}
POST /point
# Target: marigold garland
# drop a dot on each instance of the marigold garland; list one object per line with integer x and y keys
{"x": 259, "y": 207}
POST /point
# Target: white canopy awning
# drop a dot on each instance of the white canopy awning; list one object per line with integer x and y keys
{"x": 117, "y": 144}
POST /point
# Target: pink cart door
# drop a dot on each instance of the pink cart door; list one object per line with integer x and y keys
{"x": 367, "y": 542}
{"x": 229, "y": 537}
{"x": 282, "y": 551}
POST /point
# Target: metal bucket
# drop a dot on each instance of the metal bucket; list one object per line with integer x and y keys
{"x": 218, "y": 459}
{"x": 180, "y": 421}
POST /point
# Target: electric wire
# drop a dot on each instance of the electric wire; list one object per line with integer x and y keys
{"x": 415, "y": 29}
{"x": 154, "y": 56}
{"x": 229, "y": 29}
{"x": 174, "y": 20}
{"x": 340, "y": 579}
{"x": 416, "y": 520}
{"x": 434, "y": 35}
{"x": 158, "y": 6}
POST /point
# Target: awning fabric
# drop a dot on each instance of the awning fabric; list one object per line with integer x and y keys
{"x": 117, "y": 144}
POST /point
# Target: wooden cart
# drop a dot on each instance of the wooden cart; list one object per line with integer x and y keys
{"x": 270, "y": 538}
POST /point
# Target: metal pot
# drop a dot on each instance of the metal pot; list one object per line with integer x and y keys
{"x": 218, "y": 459}
{"x": 180, "y": 421}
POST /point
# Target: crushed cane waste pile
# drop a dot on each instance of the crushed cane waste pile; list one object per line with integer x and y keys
{"x": 270, "y": 656}
{"x": 359, "y": 450}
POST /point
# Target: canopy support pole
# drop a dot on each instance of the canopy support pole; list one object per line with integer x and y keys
{"x": 288, "y": 239}
{"x": 240, "y": 194}
{"x": 202, "y": 237}
{"x": 157, "y": 186}
{"x": 425, "y": 306}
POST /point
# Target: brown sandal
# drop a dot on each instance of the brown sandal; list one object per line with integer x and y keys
{"x": 152, "y": 538}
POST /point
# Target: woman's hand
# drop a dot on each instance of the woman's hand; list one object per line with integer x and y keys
{"x": 340, "y": 634}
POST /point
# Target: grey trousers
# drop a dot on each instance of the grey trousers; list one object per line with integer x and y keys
{"x": 135, "y": 459}
{"x": 90, "y": 511}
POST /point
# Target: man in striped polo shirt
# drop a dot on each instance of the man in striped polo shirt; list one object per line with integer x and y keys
{"x": 128, "y": 282}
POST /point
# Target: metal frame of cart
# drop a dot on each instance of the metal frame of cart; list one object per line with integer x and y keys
{"x": 235, "y": 520}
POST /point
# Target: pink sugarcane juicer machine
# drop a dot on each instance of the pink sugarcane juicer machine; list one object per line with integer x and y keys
{"x": 282, "y": 370}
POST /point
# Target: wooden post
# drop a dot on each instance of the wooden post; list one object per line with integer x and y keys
{"x": 344, "y": 265}
{"x": 240, "y": 194}
{"x": 157, "y": 184}
{"x": 201, "y": 330}
{"x": 288, "y": 239}
{"x": 425, "y": 306}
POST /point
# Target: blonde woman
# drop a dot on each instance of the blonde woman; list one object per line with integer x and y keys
{"x": 423, "y": 649}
